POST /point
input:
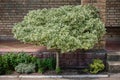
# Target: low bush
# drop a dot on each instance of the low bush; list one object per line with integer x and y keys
{"x": 50, "y": 63}
{"x": 9, "y": 61}
{"x": 96, "y": 66}
{"x": 45, "y": 64}
{"x": 58, "y": 70}
{"x": 41, "y": 70}
{"x": 25, "y": 68}
{"x": 2, "y": 69}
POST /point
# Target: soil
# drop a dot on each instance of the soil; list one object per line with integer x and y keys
{"x": 64, "y": 72}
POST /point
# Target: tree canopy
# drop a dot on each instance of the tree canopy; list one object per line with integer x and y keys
{"x": 67, "y": 28}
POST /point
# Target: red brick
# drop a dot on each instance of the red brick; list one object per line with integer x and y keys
{"x": 13, "y": 11}
{"x": 112, "y": 9}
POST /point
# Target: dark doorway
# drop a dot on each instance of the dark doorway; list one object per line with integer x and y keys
{"x": 113, "y": 24}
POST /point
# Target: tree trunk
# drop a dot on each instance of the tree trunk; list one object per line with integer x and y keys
{"x": 57, "y": 59}
{"x": 58, "y": 70}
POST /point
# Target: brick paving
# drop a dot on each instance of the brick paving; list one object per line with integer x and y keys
{"x": 16, "y": 46}
{"x": 9, "y": 79}
{"x": 115, "y": 76}
{"x": 60, "y": 79}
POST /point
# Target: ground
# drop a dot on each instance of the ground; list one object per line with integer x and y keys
{"x": 112, "y": 77}
{"x": 17, "y": 46}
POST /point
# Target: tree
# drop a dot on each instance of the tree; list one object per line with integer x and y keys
{"x": 66, "y": 28}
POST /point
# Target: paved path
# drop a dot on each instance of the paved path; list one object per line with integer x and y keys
{"x": 16, "y": 46}
{"x": 60, "y": 79}
{"x": 112, "y": 77}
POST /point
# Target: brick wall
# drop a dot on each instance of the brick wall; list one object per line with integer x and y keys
{"x": 113, "y": 13}
{"x": 80, "y": 59}
{"x": 113, "y": 20}
{"x": 12, "y": 11}
{"x": 77, "y": 59}
{"x": 100, "y": 4}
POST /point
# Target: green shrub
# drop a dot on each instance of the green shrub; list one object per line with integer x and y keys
{"x": 41, "y": 70}
{"x": 9, "y": 61}
{"x": 24, "y": 58}
{"x": 45, "y": 64}
{"x": 40, "y": 66}
{"x": 58, "y": 70}
{"x": 8, "y": 72}
{"x": 25, "y": 68}
{"x": 96, "y": 66}
{"x": 49, "y": 63}
{"x": 67, "y": 28}
{"x": 2, "y": 69}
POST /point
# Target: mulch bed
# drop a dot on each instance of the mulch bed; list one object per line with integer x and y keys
{"x": 64, "y": 72}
